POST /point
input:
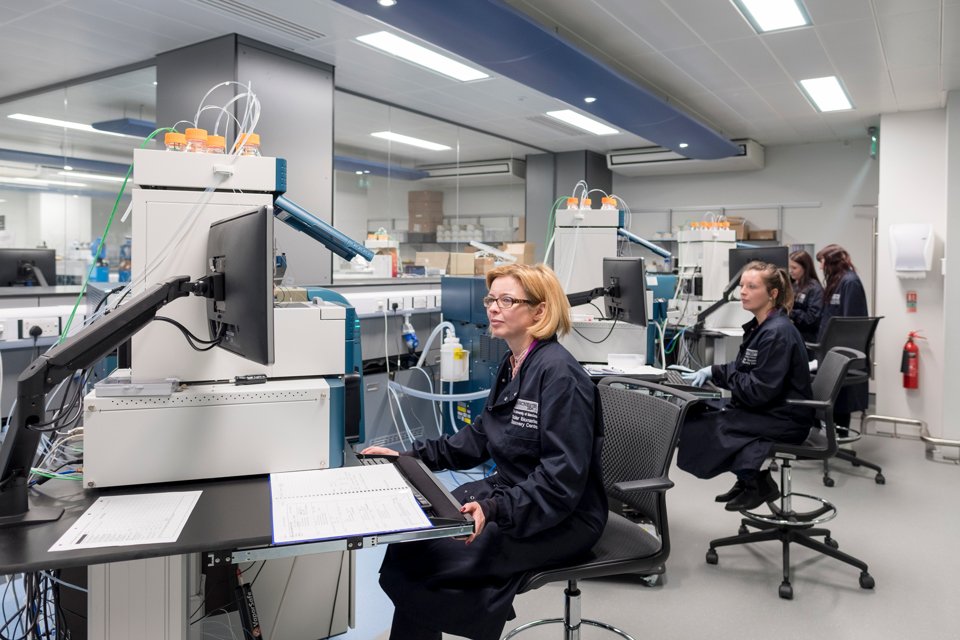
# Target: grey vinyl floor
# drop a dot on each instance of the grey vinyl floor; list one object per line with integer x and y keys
{"x": 907, "y": 531}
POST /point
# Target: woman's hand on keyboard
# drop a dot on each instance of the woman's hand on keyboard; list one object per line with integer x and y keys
{"x": 474, "y": 510}
{"x": 379, "y": 451}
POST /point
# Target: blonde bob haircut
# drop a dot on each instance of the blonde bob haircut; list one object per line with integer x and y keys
{"x": 540, "y": 285}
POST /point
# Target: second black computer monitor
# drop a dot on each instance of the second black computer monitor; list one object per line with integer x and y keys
{"x": 739, "y": 258}
{"x": 626, "y": 282}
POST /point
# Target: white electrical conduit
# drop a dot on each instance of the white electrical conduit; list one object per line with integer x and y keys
{"x": 440, "y": 397}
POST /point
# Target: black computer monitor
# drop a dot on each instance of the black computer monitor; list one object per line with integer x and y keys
{"x": 23, "y": 267}
{"x": 241, "y": 248}
{"x": 626, "y": 283}
{"x": 739, "y": 258}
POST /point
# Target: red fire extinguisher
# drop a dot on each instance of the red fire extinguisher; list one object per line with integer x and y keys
{"x": 910, "y": 361}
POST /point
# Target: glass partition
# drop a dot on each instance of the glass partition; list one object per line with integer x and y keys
{"x": 420, "y": 189}
{"x": 59, "y": 176}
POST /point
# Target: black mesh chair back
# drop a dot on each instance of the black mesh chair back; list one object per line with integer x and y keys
{"x": 642, "y": 424}
{"x": 853, "y": 332}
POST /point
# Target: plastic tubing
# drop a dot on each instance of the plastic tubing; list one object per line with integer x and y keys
{"x": 433, "y": 334}
{"x": 439, "y": 397}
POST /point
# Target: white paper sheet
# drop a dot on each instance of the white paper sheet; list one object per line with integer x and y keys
{"x": 349, "y": 501}
{"x": 114, "y": 521}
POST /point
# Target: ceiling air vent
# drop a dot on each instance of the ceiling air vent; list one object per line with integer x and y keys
{"x": 264, "y": 19}
{"x": 656, "y": 161}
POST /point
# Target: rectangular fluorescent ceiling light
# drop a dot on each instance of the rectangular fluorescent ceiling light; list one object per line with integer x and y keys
{"x": 582, "y": 122}
{"x": 412, "y": 52}
{"x": 773, "y": 15}
{"x": 826, "y": 94}
{"x": 90, "y": 176}
{"x": 64, "y": 124}
{"x": 40, "y": 183}
{"x": 414, "y": 142}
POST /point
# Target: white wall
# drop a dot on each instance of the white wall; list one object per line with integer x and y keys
{"x": 841, "y": 176}
{"x": 14, "y": 210}
{"x": 57, "y": 220}
{"x": 913, "y": 172}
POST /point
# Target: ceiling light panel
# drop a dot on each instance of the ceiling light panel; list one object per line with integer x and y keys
{"x": 90, "y": 176}
{"x": 421, "y": 56}
{"x": 826, "y": 94}
{"x": 63, "y": 124}
{"x": 40, "y": 183}
{"x": 773, "y": 15}
{"x": 582, "y": 122}
{"x": 409, "y": 140}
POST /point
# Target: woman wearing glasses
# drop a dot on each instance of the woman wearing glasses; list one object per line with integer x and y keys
{"x": 544, "y": 504}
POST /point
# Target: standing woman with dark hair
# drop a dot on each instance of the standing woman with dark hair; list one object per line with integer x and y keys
{"x": 737, "y": 434}
{"x": 807, "y": 296}
{"x": 843, "y": 296}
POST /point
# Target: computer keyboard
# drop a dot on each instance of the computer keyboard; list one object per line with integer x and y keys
{"x": 421, "y": 499}
{"x": 675, "y": 377}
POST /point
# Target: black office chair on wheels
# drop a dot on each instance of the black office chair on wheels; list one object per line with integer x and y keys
{"x": 642, "y": 424}
{"x": 852, "y": 332}
{"x": 783, "y": 523}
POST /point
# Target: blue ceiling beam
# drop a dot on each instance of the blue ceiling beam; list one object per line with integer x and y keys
{"x": 127, "y": 126}
{"x": 507, "y": 42}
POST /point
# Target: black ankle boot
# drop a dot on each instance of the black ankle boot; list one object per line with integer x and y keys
{"x": 757, "y": 491}
{"x": 734, "y": 491}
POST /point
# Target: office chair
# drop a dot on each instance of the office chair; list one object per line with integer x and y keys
{"x": 783, "y": 523}
{"x": 642, "y": 423}
{"x": 853, "y": 333}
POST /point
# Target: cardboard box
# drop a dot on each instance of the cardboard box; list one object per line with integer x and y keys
{"x": 525, "y": 251}
{"x": 433, "y": 259}
{"x": 424, "y": 196}
{"x": 461, "y": 264}
{"x": 424, "y": 222}
{"x": 434, "y": 209}
{"x": 762, "y": 234}
{"x": 482, "y": 265}
{"x": 740, "y": 226}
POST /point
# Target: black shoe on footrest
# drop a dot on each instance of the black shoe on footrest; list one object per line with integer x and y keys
{"x": 734, "y": 491}
{"x": 762, "y": 489}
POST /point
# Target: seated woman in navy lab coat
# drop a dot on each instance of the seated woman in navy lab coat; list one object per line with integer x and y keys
{"x": 843, "y": 296}
{"x": 807, "y": 296}
{"x": 771, "y": 367}
{"x": 545, "y": 504}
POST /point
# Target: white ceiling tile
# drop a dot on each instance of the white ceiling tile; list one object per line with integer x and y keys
{"x": 823, "y": 12}
{"x": 871, "y": 92}
{"x": 951, "y": 33}
{"x": 800, "y": 53}
{"x": 917, "y": 88}
{"x": 751, "y": 60}
{"x": 712, "y": 21}
{"x": 911, "y": 39}
{"x": 893, "y": 7}
{"x": 747, "y": 103}
{"x": 812, "y": 129}
{"x": 706, "y": 67}
{"x": 854, "y": 47}
{"x": 650, "y": 20}
{"x": 664, "y": 76}
{"x": 787, "y": 100}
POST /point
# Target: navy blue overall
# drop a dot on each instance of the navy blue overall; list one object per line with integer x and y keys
{"x": 807, "y": 309}
{"x": 849, "y": 299}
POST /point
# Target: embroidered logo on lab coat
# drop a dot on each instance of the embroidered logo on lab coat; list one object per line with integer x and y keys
{"x": 749, "y": 357}
{"x": 526, "y": 414}
{"x": 801, "y": 297}
{"x": 835, "y": 298}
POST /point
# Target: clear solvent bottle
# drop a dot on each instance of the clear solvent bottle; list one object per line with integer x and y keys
{"x": 249, "y": 144}
{"x": 174, "y": 141}
{"x": 216, "y": 145}
{"x": 196, "y": 140}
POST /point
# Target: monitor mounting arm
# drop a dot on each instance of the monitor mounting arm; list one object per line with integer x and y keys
{"x": 82, "y": 350}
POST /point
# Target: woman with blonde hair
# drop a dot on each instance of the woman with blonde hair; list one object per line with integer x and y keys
{"x": 545, "y": 503}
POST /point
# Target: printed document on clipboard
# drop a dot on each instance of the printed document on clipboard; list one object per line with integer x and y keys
{"x": 337, "y": 503}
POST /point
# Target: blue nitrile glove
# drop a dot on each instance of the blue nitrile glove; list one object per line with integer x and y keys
{"x": 697, "y": 378}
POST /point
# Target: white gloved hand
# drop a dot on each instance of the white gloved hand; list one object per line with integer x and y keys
{"x": 812, "y": 365}
{"x": 697, "y": 378}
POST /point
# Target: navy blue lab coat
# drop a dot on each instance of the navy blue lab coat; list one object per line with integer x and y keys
{"x": 849, "y": 299}
{"x": 807, "y": 309}
{"x": 737, "y": 434}
{"x": 545, "y": 504}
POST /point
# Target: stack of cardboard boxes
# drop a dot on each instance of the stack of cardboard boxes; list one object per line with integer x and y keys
{"x": 426, "y": 211}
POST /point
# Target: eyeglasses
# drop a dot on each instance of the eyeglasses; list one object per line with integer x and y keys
{"x": 504, "y": 302}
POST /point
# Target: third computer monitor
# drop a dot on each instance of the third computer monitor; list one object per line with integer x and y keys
{"x": 626, "y": 284}
{"x": 739, "y": 258}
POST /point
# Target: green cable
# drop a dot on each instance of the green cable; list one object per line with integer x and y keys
{"x": 54, "y": 476}
{"x": 103, "y": 237}
{"x": 552, "y": 218}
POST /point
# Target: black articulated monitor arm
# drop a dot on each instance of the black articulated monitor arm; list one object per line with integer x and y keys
{"x": 586, "y": 297}
{"x": 79, "y": 351}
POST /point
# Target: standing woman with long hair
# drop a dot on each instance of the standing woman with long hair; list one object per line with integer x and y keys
{"x": 807, "y": 296}
{"x": 843, "y": 296}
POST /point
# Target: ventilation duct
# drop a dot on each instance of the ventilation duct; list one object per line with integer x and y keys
{"x": 657, "y": 161}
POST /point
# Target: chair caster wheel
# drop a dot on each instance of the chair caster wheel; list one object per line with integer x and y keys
{"x": 855, "y": 463}
{"x": 830, "y": 542}
{"x": 786, "y": 590}
{"x": 866, "y": 581}
{"x": 713, "y": 558}
{"x": 742, "y": 531}
{"x": 828, "y": 481}
{"x": 879, "y": 479}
